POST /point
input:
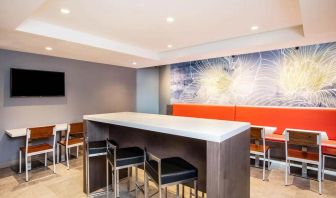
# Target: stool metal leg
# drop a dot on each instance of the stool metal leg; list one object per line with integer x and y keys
{"x": 182, "y": 191}
{"x": 129, "y": 179}
{"x": 145, "y": 185}
{"x": 115, "y": 183}
{"x": 178, "y": 191}
{"x": 107, "y": 176}
{"x": 160, "y": 192}
{"x": 166, "y": 192}
{"x": 118, "y": 184}
{"x": 195, "y": 189}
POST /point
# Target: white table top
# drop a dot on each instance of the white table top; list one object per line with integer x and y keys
{"x": 21, "y": 132}
{"x": 198, "y": 128}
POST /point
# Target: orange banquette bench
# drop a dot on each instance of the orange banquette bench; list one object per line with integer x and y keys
{"x": 322, "y": 119}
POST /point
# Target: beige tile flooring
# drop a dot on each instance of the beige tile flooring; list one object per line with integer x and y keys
{"x": 68, "y": 183}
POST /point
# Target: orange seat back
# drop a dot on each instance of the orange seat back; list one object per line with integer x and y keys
{"x": 204, "y": 111}
{"x": 320, "y": 119}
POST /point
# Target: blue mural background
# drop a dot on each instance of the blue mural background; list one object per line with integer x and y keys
{"x": 304, "y": 76}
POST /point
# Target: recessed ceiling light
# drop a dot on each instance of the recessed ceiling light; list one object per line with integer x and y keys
{"x": 170, "y": 19}
{"x": 65, "y": 11}
{"x": 254, "y": 27}
{"x": 169, "y": 46}
{"x": 48, "y": 48}
{"x": 134, "y": 63}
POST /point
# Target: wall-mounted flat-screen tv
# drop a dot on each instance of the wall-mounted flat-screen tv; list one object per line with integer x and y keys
{"x": 36, "y": 83}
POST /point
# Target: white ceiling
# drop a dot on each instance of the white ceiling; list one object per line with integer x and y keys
{"x": 126, "y": 31}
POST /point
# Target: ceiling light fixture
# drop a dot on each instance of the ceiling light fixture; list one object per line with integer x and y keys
{"x": 65, "y": 11}
{"x": 254, "y": 27}
{"x": 170, "y": 19}
{"x": 134, "y": 63}
{"x": 169, "y": 46}
{"x": 48, "y": 48}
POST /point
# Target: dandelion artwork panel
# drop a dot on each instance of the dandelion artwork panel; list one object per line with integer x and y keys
{"x": 303, "y": 77}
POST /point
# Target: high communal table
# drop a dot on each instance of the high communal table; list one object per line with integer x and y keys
{"x": 219, "y": 149}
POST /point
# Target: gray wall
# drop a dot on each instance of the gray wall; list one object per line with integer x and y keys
{"x": 148, "y": 90}
{"x": 164, "y": 93}
{"x": 90, "y": 88}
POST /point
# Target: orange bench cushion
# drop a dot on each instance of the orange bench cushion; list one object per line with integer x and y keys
{"x": 322, "y": 119}
{"x": 204, "y": 111}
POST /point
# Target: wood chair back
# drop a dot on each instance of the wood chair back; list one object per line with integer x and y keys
{"x": 76, "y": 128}
{"x": 256, "y": 133}
{"x": 40, "y": 132}
{"x": 303, "y": 138}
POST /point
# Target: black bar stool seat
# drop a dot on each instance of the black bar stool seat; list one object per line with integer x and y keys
{"x": 96, "y": 148}
{"x": 167, "y": 172}
{"x": 173, "y": 169}
{"x": 127, "y": 156}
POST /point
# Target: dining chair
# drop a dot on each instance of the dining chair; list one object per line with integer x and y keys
{"x": 308, "y": 141}
{"x": 73, "y": 138}
{"x": 31, "y": 149}
{"x": 258, "y": 146}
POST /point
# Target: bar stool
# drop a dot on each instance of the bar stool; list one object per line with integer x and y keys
{"x": 38, "y": 133}
{"x": 306, "y": 139}
{"x": 327, "y": 153}
{"x": 74, "y": 129}
{"x": 168, "y": 171}
{"x": 93, "y": 149}
{"x": 120, "y": 158}
{"x": 257, "y": 134}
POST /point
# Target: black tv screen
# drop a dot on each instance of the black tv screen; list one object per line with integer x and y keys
{"x": 36, "y": 83}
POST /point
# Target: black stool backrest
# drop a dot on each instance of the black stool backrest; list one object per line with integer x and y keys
{"x": 150, "y": 169}
{"x": 112, "y": 151}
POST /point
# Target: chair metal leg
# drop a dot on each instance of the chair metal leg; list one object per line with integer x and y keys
{"x": 264, "y": 162}
{"x": 286, "y": 173}
{"x": 77, "y": 152}
{"x": 195, "y": 189}
{"x": 67, "y": 156}
{"x": 323, "y": 166}
{"x": 190, "y": 192}
{"x": 20, "y": 163}
{"x": 166, "y": 192}
{"x": 58, "y": 152}
{"x": 178, "y": 191}
{"x": 53, "y": 153}
{"x": 45, "y": 159}
{"x": 320, "y": 178}
{"x": 269, "y": 159}
{"x": 26, "y": 164}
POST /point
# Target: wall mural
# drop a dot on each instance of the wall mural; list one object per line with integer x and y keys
{"x": 304, "y": 76}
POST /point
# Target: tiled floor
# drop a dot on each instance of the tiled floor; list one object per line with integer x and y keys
{"x": 68, "y": 183}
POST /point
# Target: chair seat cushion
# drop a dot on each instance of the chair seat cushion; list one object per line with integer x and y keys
{"x": 37, "y": 148}
{"x": 303, "y": 155}
{"x": 258, "y": 148}
{"x": 127, "y": 156}
{"x": 275, "y": 137}
{"x": 173, "y": 169}
{"x": 72, "y": 141}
